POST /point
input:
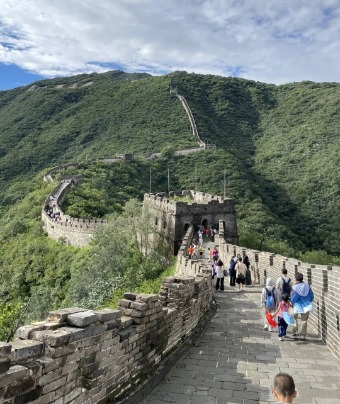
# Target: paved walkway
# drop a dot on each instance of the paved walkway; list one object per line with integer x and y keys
{"x": 235, "y": 360}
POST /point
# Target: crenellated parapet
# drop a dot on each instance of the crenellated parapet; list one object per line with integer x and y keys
{"x": 71, "y": 230}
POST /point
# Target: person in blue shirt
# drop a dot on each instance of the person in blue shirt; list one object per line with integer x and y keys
{"x": 301, "y": 298}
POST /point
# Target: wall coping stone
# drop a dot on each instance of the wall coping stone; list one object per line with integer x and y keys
{"x": 25, "y": 349}
{"x": 81, "y": 319}
{"x": 60, "y": 316}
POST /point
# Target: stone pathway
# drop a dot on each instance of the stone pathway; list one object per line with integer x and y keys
{"x": 235, "y": 360}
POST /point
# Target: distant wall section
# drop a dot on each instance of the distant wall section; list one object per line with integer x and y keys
{"x": 70, "y": 230}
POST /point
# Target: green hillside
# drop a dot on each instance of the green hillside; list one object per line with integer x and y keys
{"x": 285, "y": 138}
{"x": 278, "y": 145}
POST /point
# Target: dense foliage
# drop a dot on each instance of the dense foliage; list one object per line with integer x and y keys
{"x": 277, "y": 147}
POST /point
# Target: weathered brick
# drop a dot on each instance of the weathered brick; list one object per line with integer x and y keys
{"x": 5, "y": 349}
{"x": 52, "y": 338}
{"x": 50, "y": 377}
{"x": 49, "y": 364}
{"x": 59, "y": 316}
{"x": 54, "y": 385}
{"x": 25, "y": 349}
{"x": 126, "y": 321}
{"x": 26, "y": 331}
{"x": 147, "y": 298}
{"x": 59, "y": 351}
{"x": 105, "y": 315}
{"x": 14, "y": 374}
{"x": 124, "y": 303}
{"x": 81, "y": 319}
{"x": 140, "y": 306}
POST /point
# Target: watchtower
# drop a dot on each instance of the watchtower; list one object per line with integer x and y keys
{"x": 173, "y": 214}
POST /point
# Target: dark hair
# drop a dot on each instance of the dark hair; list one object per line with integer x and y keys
{"x": 285, "y": 297}
{"x": 284, "y": 384}
{"x": 240, "y": 259}
{"x": 284, "y": 271}
{"x": 299, "y": 277}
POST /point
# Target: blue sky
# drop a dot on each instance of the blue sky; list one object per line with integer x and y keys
{"x": 273, "y": 41}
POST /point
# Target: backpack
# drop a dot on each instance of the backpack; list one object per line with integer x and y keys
{"x": 270, "y": 299}
{"x": 286, "y": 288}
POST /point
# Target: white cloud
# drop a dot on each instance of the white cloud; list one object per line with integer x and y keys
{"x": 271, "y": 41}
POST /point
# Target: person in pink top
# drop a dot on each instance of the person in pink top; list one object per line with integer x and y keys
{"x": 283, "y": 306}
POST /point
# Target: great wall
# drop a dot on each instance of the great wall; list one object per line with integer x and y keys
{"x": 79, "y": 232}
{"x": 93, "y": 356}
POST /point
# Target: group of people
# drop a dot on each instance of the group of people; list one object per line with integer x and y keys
{"x": 55, "y": 216}
{"x": 284, "y": 296}
{"x": 208, "y": 232}
{"x": 195, "y": 251}
{"x": 196, "y": 248}
{"x": 238, "y": 270}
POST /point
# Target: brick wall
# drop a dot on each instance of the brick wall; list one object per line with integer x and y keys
{"x": 324, "y": 280}
{"x": 88, "y": 356}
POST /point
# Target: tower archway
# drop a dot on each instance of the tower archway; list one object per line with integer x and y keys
{"x": 205, "y": 223}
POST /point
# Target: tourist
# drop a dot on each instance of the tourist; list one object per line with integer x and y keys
{"x": 219, "y": 275}
{"x": 240, "y": 273}
{"x": 283, "y": 283}
{"x": 190, "y": 251}
{"x": 284, "y": 388}
{"x": 206, "y": 232}
{"x": 210, "y": 254}
{"x": 283, "y": 306}
{"x": 248, "y": 273}
{"x": 215, "y": 253}
{"x": 212, "y": 232}
{"x": 232, "y": 271}
{"x": 195, "y": 251}
{"x": 201, "y": 251}
{"x": 269, "y": 301}
{"x": 302, "y": 297}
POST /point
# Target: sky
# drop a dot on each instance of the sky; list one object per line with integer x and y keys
{"x": 272, "y": 41}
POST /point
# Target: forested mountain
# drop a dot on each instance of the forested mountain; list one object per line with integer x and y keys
{"x": 277, "y": 145}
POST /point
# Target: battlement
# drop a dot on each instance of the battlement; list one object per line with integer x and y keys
{"x": 198, "y": 209}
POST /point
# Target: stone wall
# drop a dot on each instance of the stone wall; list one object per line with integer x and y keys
{"x": 202, "y": 210}
{"x": 90, "y": 356}
{"x": 324, "y": 280}
{"x": 71, "y": 230}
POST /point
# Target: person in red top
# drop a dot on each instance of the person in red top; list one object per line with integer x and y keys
{"x": 283, "y": 306}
